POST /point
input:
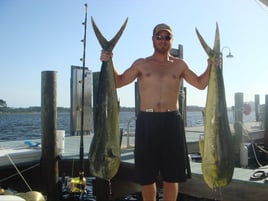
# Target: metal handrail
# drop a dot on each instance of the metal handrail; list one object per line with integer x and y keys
{"x": 128, "y": 132}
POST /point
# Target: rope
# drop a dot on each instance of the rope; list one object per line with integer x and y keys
{"x": 245, "y": 132}
{"x": 15, "y": 174}
{"x": 14, "y": 165}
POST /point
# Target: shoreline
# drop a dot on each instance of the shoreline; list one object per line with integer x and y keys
{"x": 37, "y": 109}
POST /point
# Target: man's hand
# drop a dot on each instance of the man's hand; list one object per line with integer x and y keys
{"x": 105, "y": 55}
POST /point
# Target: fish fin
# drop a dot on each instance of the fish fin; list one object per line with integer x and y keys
{"x": 216, "y": 47}
{"x": 99, "y": 35}
{"x": 205, "y": 46}
{"x": 108, "y": 45}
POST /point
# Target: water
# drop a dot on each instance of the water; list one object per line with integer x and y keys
{"x": 28, "y": 125}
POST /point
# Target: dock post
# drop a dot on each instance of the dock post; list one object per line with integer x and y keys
{"x": 101, "y": 189}
{"x": 238, "y": 124}
{"x": 49, "y": 162}
{"x": 257, "y": 105}
{"x": 266, "y": 122}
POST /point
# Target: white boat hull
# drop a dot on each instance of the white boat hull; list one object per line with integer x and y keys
{"x": 10, "y": 198}
{"x": 19, "y": 155}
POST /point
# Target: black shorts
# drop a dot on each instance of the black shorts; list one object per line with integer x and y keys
{"x": 160, "y": 147}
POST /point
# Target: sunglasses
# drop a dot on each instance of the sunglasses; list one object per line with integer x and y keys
{"x": 166, "y": 38}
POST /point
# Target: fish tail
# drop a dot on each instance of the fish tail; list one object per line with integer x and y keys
{"x": 108, "y": 45}
{"x": 216, "y": 49}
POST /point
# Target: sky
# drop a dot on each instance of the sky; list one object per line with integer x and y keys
{"x": 45, "y": 35}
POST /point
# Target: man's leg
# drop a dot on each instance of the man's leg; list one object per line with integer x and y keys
{"x": 170, "y": 191}
{"x": 149, "y": 192}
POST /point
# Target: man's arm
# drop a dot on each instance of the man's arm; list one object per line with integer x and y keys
{"x": 199, "y": 82}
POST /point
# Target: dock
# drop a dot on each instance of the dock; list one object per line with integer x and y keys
{"x": 241, "y": 187}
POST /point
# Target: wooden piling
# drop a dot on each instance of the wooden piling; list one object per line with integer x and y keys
{"x": 239, "y": 103}
{"x": 257, "y": 105}
{"x": 49, "y": 162}
{"x": 266, "y": 122}
{"x": 182, "y": 95}
{"x": 238, "y": 124}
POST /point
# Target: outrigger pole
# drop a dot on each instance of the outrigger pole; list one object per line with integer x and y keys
{"x": 81, "y": 173}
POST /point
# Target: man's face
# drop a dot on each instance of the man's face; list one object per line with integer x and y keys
{"x": 162, "y": 41}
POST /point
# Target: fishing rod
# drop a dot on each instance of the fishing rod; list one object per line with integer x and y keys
{"x": 78, "y": 184}
{"x": 83, "y": 95}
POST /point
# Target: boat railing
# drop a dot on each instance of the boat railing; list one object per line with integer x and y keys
{"x": 128, "y": 129}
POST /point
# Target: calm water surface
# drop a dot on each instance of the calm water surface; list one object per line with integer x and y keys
{"x": 28, "y": 126}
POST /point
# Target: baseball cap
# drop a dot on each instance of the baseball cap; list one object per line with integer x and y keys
{"x": 162, "y": 27}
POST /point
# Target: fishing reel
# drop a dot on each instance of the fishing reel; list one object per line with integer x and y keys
{"x": 77, "y": 184}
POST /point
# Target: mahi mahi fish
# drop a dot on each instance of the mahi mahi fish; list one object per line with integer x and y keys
{"x": 217, "y": 155}
{"x": 104, "y": 153}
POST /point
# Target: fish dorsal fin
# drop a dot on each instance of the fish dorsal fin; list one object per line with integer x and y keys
{"x": 108, "y": 45}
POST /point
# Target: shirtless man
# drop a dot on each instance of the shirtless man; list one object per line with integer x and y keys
{"x": 159, "y": 145}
